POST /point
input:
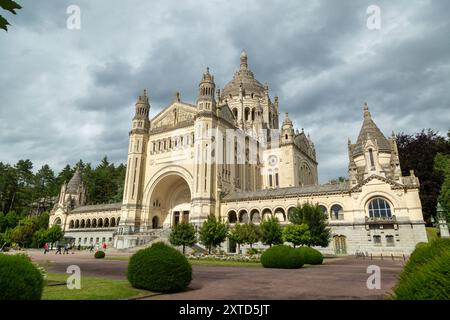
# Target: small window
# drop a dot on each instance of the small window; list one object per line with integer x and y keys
{"x": 377, "y": 240}
{"x": 270, "y": 181}
{"x": 372, "y": 162}
{"x": 390, "y": 241}
{"x": 276, "y": 180}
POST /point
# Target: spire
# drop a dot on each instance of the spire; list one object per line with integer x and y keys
{"x": 75, "y": 181}
{"x": 370, "y": 131}
{"x": 367, "y": 114}
{"x": 243, "y": 57}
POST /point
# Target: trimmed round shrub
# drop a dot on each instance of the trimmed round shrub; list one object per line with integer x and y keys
{"x": 19, "y": 278}
{"x": 282, "y": 257}
{"x": 99, "y": 254}
{"x": 310, "y": 255}
{"x": 159, "y": 268}
{"x": 431, "y": 281}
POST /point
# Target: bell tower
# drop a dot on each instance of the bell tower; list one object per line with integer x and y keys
{"x": 203, "y": 195}
{"x": 134, "y": 179}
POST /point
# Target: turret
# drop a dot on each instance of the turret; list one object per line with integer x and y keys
{"x": 206, "y": 101}
{"x": 287, "y": 130}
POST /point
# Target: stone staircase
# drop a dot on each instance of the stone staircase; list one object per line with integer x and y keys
{"x": 160, "y": 235}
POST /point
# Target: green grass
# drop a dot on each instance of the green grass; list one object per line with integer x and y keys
{"x": 432, "y": 233}
{"x": 92, "y": 288}
{"x": 225, "y": 263}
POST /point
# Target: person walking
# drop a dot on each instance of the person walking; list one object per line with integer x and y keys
{"x": 58, "y": 249}
{"x": 91, "y": 248}
{"x": 45, "y": 248}
{"x": 66, "y": 249}
{"x": 104, "y": 246}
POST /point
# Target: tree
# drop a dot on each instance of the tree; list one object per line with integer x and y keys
{"x": 23, "y": 234}
{"x": 251, "y": 233}
{"x": 183, "y": 234}
{"x": 11, "y": 219}
{"x": 237, "y": 235}
{"x": 54, "y": 234}
{"x": 213, "y": 232}
{"x": 271, "y": 232}
{"x": 417, "y": 152}
{"x": 10, "y": 6}
{"x": 297, "y": 234}
{"x": 442, "y": 165}
{"x": 313, "y": 217}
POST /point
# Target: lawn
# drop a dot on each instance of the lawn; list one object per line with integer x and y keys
{"x": 432, "y": 234}
{"x": 92, "y": 288}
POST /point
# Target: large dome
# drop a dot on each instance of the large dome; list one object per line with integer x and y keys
{"x": 245, "y": 77}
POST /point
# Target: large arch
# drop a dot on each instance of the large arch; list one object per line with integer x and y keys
{"x": 172, "y": 189}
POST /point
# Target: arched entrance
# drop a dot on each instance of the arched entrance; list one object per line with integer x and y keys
{"x": 170, "y": 201}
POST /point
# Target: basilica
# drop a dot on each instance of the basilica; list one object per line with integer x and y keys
{"x": 227, "y": 155}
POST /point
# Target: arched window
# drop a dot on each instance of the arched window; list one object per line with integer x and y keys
{"x": 71, "y": 224}
{"x": 100, "y": 222}
{"x": 266, "y": 214}
{"x": 379, "y": 208}
{"x": 337, "y": 212}
{"x": 232, "y": 218}
{"x": 88, "y": 223}
{"x": 106, "y": 223}
{"x": 279, "y": 213}
{"x": 324, "y": 210}
{"x": 94, "y": 223}
{"x": 243, "y": 216}
{"x": 255, "y": 216}
{"x": 113, "y": 222}
{"x": 77, "y": 224}
{"x": 82, "y": 223}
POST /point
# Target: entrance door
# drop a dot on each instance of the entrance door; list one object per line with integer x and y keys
{"x": 155, "y": 223}
{"x": 176, "y": 218}
{"x": 340, "y": 246}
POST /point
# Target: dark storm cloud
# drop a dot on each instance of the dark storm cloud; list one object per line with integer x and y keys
{"x": 66, "y": 95}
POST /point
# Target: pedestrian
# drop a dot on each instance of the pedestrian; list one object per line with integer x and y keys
{"x": 45, "y": 248}
{"x": 79, "y": 247}
{"x": 66, "y": 249}
{"x": 58, "y": 249}
{"x": 97, "y": 247}
{"x": 104, "y": 246}
{"x": 91, "y": 248}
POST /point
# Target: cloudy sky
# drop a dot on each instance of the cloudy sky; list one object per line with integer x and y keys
{"x": 67, "y": 94}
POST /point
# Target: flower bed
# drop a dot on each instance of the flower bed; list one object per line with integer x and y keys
{"x": 226, "y": 257}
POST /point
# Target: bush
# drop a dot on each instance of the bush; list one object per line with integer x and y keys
{"x": 283, "y": 257}
{"x": 426, "y": 275}
{"x": 310, "y": 255}
{"x": 99, "y": 254}
{"x": 423, "y": 253}
{"x": 159, "y": 268}
{"x": 252, "y": 251}
{"x": 429, "y": 282}
{"x": 19, "y": 278}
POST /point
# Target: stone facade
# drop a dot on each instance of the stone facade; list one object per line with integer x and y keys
{"x": 227, "y": 155}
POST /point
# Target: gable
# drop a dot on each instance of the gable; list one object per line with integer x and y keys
{"x": 373, "y": 179}
{"x": 173, "y": 115}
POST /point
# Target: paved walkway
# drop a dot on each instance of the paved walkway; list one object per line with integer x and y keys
{"x": 339, "y": 278}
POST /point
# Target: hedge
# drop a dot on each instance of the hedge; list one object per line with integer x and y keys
{"x": 310, "y": 255}
{"x": 283, "y": 257}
